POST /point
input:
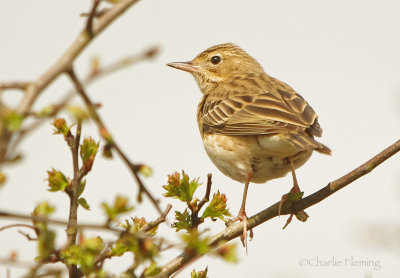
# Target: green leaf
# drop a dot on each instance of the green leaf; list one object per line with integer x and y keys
{"x": 217, "y": 207}
{"x": 145, "y": 170}
{"x": 78, "y": 113}
{"x": 181, "y": 188}
{"x": 47, "y": 111}
{"x": 88, "y": 152}
{"x": 81, "y": 187}
{"x": 107, "y": 151}
{"x": 200, "y": 274}
{"x": 46, "y": 242}
{"x": 13, "y": 121}
{"x": 84, "y": 255}
{"x": 183, "y": 221}
{"x": 57, "y": 180}
{"x": 120, "y": 206}
{"x": 61, "y": 127}
{"x": 195, "y": 243}
{"x": 83, "y": 203}
{"x": 227, "y": 252}
{"x": 43, "y": 209}
{"x": 152, "y": 270}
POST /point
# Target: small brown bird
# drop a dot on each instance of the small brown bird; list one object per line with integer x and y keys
{"x": 254, "y": 127}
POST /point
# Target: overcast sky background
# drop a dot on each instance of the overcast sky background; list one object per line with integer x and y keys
{"x": 342, "y": 56}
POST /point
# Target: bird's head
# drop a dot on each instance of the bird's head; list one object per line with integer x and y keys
{"x": 219, "y": 64}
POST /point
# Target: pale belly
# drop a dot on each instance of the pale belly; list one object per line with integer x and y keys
{"x": 265, "y": 157}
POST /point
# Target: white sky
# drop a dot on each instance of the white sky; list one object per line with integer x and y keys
{"x": 342, "y": 56}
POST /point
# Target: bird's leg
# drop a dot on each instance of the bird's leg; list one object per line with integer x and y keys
{"x": 242, "y": 213}
{"x": 302, "y": 215}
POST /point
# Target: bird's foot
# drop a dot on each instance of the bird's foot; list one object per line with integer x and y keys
{"x": 293, "y": 196}
{"x": 242, "y": 217}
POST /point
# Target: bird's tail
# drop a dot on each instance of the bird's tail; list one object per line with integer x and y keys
{"x": 306, "y": 142}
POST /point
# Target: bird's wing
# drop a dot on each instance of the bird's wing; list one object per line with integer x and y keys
{"x": 263, "y": 114}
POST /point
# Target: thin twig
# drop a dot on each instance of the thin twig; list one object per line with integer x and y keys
{"x": 206, "y": 197}
{"x": 65, "y": 61}
{"x": 17, "y": 225}
{"x": 236, "y": 229}
{"x": 14, "y": 85}
{"x": 89, "y": 22}
{"x": 88, "y": 80}
{"x": 73, "y": 143}
{"x": 28, "y": 237}
{"x": 108, "y": 137}
{"x": 4, "y": 214}
{"x": 158, "y": 221}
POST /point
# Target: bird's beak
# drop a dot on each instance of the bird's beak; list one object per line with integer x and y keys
{"x": 186, "y": 66}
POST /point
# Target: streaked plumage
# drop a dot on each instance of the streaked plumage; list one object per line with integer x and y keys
{"x": 252, "y": 124}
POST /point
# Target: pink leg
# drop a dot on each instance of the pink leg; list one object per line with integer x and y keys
{"x": 242, "y": 213}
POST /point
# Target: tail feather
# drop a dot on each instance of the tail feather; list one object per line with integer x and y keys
{"x": 303, "y": 141}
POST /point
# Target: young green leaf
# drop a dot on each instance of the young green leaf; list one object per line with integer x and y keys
{"x": 227, "y": 252}
{"x": 57, "y": 180}
{"x": 88, "y": 152}
{"x": 195, "y": 243}
{"x": 183, "y": 221}
{"x": 217, "y": 207}
{"x": 83, "y": 203}
{"x": 61, "y": 127}
{"x": 181, "y": 188}
{"x": 200, "y": 274}
{"x": 152, "y": 270}
{"x": 120, "y": 206}
{"x": 13, "y": 121}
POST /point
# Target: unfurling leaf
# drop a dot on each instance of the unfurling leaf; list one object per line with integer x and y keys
{"x": 152, "y": 270}
{"x": 43, "y": 209}
{"x": 227, "y": 252}
{"x": 200, "y": 274}
{"x": 107, "y": 151}
{"x": 78, "y": 113}
{"x": 88, "y": 152}
{"x": 120, "y": 206}
{"x": 84, "y": 255}
{"x": 217, "y": 207}
{"x": 195, "y": 243}
{"x": 181, "y": 188}
{"x": 57, "y": 180}
{"x": 61, "y": 127}
{"x": 13, "y": 121}
{"x": 83, "y": 203}
{"x": 145, "y": 170}
{"x": 183, "y": 221}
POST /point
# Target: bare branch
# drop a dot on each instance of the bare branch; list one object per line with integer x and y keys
{"x": 14, "y": 85}
{"x": 73, "y": 191}
{"x": 89, "y": 79}
{"x": 66, "y": 60}
{"x": 89, "y": 23}
{"x": 4, "y": 214}
{"x": 236, "y": 229}
{"x": 106, "y": 135}
{"x": 17, "y": 225}
{"x": 206, "y": 197}
{"x": 158, "y": 221}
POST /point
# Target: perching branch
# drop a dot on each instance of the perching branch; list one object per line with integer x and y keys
{"x": 106, "y": 135}
{"x": 236, "y": 229}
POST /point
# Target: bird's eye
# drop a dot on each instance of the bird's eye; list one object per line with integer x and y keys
{"x": 215, "y": 60}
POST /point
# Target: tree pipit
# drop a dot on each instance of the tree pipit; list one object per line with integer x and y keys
{"x": 254, "y": 127}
